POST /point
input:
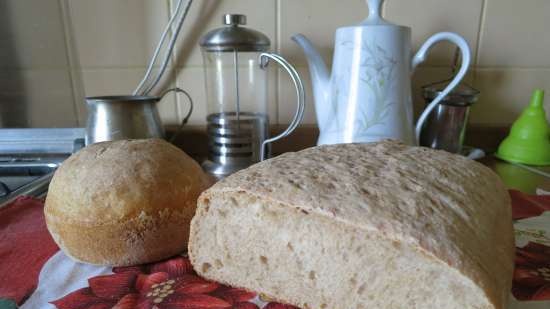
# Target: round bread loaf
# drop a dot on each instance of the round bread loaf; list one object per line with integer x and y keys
{"x": 125, "y": 202}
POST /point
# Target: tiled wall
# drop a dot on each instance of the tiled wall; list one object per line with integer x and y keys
{"x": 113, "y": 40}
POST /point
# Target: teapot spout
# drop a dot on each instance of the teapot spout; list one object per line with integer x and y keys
{"x": 319, "y": 77}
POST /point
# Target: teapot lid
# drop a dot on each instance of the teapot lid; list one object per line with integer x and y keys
{"x": 234, "y": 37}
{"x": 375, "y": 15}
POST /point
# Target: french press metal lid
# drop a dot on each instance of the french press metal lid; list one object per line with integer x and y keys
{"x": 234, "y": 37}
{"x": 235, "y": 60}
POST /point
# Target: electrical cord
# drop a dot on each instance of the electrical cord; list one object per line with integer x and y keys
{"x": 158, "y": 48}
{"x": 144, "y": 88}
{"x": 170, "y": 47}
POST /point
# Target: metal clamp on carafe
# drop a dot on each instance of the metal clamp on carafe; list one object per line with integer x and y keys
{"x": 235, "y": 61}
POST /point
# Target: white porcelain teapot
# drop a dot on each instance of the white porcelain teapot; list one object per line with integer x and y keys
{"x": 368, "y": 95}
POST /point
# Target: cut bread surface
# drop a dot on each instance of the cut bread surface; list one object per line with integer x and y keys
{"x": 314, "y": 262}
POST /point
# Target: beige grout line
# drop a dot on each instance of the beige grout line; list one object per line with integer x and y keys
{"x": 114, "y": 67}
{"x": 301, "y": 66}
{"x": 77, "y": 85}
{"x": 170, "y": 33}
{"x": 481, "y": 27}
{"x": 278, "y": 38}
{"x": 37, "y": 68}
{"x": 173, "y": 70}
{"x": 509, "y": 68}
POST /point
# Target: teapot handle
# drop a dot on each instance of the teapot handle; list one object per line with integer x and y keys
{"x": 300, "y": 93}
{"x": 421, "y": 56}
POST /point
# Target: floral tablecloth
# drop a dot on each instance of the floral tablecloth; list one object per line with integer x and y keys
{"x": 35, "y": 274}
{"x": 531, "y": 285}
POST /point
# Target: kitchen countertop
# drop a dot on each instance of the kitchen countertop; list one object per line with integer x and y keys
{"x": 194, "y": 141}
{"x": 517, "y": 177}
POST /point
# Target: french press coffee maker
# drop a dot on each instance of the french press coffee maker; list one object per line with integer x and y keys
{"x": 235, "y": 65}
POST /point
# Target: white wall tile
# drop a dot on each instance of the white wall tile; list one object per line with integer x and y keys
{"x": 101, "y": 82}
{"x": 36, "y": 98}
{"x": 428, "y": 75}
{"x": 206, "y": 15}
{"x": 192, "y": 81}
{"x": 422, "y": 76}
{"x": 515, "y": 34}
{"x": 318, "y": 21}
{"x": 287, "y": 98}
{"x": 426, "y": 17}
{"x": 505, "y": 93}
{"x": 117, "y": 33}
{"x": 32, "y": 35}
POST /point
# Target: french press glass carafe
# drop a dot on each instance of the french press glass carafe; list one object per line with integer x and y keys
{"x": 235, "y": 61}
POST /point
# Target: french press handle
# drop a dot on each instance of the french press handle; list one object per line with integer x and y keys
{"x": 300, "y": 94}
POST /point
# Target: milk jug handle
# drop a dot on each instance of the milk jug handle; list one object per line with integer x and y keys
{"x": 189, "y": 111}
{"x": 300, "y": 93}
{"x": 421, "y": 56}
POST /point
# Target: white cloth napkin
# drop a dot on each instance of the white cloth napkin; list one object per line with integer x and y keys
{"x": 59, "y": 277}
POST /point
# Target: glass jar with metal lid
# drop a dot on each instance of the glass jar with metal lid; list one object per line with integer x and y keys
{"x": 446, "y": 125}
{"x": 235, "y": 60}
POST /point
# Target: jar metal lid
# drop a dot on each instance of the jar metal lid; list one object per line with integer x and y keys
{"x": 462, "y": 95}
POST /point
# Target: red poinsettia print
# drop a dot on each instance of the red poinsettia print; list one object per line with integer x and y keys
{"x": 532, "y": 273}
{"x": 170, "y": 284}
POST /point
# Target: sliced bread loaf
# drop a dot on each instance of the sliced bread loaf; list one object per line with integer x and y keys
{"x": 357, "y": 226}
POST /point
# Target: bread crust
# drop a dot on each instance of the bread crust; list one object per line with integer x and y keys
{"x": 124, "y": 203}
{"x": 135, "y": 241}
{"x": 445, "y": 205}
